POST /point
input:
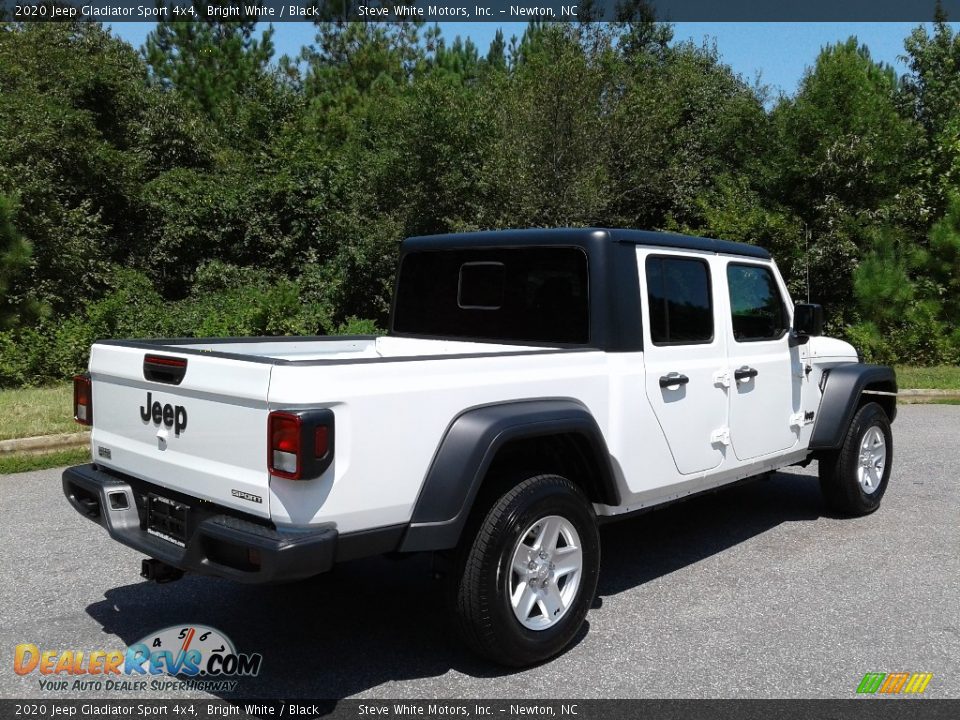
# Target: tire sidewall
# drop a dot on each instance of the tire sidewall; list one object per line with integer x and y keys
{"x": 869, "y": 416}
{"x": 559, "y": 497}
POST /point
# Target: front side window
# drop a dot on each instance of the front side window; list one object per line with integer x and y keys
{"x": 757, "y": 308}
{"x": 681, "y": 310}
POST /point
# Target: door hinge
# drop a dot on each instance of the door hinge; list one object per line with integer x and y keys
{"x": 720, "y": 436}
{"x": 722, "y": 378}
{"x": 798, "y": 420}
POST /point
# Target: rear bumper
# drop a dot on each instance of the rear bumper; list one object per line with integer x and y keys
{"x": 216, "y": 543}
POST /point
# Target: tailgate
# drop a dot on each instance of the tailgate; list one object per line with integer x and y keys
{"x": 205, "y": 437}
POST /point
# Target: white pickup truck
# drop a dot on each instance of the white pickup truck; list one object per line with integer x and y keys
{"x": 532, "y": 384}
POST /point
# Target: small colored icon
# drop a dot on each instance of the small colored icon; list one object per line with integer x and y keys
{"x": 894, "y": 683}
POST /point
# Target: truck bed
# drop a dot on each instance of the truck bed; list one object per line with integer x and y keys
{"x": 326, "y": 348}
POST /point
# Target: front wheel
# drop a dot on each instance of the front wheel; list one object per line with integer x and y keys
{"x": 854, "y": 479}
{"x": 529, "y": 575}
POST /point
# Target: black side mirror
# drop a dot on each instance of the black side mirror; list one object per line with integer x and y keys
{"x": 808, "y": 319}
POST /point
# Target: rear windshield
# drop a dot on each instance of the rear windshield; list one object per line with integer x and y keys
{"x": 534, "y": 295}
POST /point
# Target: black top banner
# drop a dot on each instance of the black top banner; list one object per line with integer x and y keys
{"x": 498, "y": 11}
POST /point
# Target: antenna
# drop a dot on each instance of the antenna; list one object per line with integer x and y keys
{"x": 806, "y": 256}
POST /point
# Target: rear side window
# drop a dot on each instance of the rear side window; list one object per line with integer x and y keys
{"x": 681, "y": 309}
{"x": 756, "y": 305}
{"x": 533, "y": 294}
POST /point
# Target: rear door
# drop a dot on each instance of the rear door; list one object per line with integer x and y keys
{"x": 204, "y": 435}
{"x": 683, "y": 353}
{"x": 766, "y": 373}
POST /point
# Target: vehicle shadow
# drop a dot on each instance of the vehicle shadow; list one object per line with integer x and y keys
{"x": 654, "y": 544}
{"x": 377, "y": 621}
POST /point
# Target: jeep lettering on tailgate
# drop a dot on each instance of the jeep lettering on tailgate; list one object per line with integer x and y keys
{"x": 174, "y": 416}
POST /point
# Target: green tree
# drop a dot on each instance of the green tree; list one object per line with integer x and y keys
{"x": 640, "y": 33}
{"x": 940, "y": 261}
{"x": 546, "y": 157}
{"x": 902, "y": 321}
{"x": 14, "y": 258}
{"x": 681, "y": 122}
{"x": 441, "y": 134}
{"x": 933, "y": 85}
{"x": 71, "y": 114}
{"x": 496, "y": 55}
{"x": 933, "y": 97}
{"x": 351, "y": 61}
{"x": 462, "y": 58}
{"x": 845, "y": 160}
{"x": 211, "y": 63}
{"x": 909, "y": 295}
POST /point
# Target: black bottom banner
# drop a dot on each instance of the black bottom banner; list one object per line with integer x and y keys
{"x": 863, "y": 708}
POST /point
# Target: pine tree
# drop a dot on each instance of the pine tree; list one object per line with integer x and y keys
{"x": 14, "y": 257}
{"x": 933, "y": 98}
{"x": 941, "y": 260}
{"x": 210, "y": 62}
{"x": 496, "y": 55}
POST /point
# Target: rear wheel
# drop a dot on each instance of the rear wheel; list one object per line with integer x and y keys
{"x": 529, "y": 574}
{"x": 854, "y": 478}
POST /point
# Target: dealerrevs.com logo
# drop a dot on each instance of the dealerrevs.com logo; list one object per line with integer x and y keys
{"x": 197, "y": 656}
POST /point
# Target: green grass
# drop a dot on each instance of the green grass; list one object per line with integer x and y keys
{"x": 37, "y": 411}
{"x": 943, "y": 377}
{"x": 23, "y": 463}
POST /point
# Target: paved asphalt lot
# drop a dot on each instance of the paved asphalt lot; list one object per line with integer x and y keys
{"x": 751, "y": 592}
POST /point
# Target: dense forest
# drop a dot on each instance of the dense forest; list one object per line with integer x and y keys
{"x": 201, "y": 186}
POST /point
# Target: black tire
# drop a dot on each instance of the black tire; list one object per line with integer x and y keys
{"x": 839, "y": 482}
{"x": 485, "y": 616}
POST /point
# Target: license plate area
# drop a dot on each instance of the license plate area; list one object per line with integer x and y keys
{"x": 167, "y": 519}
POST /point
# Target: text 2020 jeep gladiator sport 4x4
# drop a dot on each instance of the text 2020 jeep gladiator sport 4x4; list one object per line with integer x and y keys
{"x": 532, "y": 383}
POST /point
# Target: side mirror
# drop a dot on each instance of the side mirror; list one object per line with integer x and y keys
{"x": 808, "y": 319}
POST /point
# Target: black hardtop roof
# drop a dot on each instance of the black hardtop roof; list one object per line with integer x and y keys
{"x": 584, "y": 237}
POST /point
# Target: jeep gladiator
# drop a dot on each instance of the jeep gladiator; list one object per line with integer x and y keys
{"x": 532, "y": 384}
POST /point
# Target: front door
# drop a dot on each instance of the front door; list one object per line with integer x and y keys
{"x": 766, "y": 373}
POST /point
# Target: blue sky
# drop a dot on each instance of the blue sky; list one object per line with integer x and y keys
{"x": 778, "y": 52}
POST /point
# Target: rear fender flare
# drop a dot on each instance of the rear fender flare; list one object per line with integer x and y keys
{"x": 469, "y": 447}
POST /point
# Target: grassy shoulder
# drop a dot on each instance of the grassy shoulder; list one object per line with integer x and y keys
{"x": 941, "y": 377}
{"x": 28, "y": 412}
{"x": 24, "y": 463}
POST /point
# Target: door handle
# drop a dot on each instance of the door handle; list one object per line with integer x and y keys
{"x": 744, "y": 373}
{"x": 674, "y": 378}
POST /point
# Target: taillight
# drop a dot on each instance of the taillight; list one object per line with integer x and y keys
{"x": 300, "y": 444}
{"x": 285, "y": 445}
{"x": 321, "y": 441}
{"x": 82, "y": 399}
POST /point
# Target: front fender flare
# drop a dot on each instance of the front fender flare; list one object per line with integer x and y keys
{"x": 841, "y": 397}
